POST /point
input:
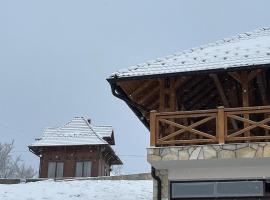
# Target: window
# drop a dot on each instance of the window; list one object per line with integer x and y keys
{"x": 83, "y": 169}
{"x": 55, "y": 169}
{"x": 216, "y": 189}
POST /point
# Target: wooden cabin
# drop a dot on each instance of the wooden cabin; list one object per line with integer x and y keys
{"x": 77, "y": 149}
{"x": 208, "y": 113}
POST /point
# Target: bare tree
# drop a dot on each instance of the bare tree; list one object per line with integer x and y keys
{"x": 11, "y": 167}
{"x": 116, "y": 170}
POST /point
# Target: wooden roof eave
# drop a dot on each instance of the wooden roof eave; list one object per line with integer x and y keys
{"x": 116, "y": 79}
{"x": 118, "y": 92}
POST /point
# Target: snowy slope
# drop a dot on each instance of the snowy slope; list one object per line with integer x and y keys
{"x": 79, "y": 190}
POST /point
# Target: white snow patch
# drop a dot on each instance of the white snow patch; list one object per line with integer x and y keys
{"x": 79, "y": 190}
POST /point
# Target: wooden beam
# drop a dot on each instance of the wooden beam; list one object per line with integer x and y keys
{"x": 189, "y": 142}
{"x": 161, "y": 95}
{"x": 172, "y": 95}
{"x": 140, "y": 89}
{"x": 244, "y": 78}
{"x": 236, "y": 76}
{"x": 200, "y": 98}
{"x": 222, "y": 96}
{"x": 177, "y": 133}
{"x": 191, "y": 88}
{"x": 148, "y": 95}
{"x": 154, "y": 104}
{"x": 221, "y": 125}
{"x": 188, "y": 128}
{"x": 220, "y": 90}
{"x": 253, "y": 74}
{"x": 153, "y": 128}
{"x": 180, "y": 81}
{"x": 245, "y": 97}
{"x": 262, "y": 88}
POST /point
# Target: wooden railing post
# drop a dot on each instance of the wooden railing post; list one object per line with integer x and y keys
{"x": 153, "y": 128}
{"x": 221, "y": 125}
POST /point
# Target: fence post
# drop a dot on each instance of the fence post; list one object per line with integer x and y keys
{"x": 153, "y": 127}
{"x": 221, "y": 125}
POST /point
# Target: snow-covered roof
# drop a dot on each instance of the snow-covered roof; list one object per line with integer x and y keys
{"x": 76, "y": 132}
{"x": 247, "y": 49}
{"x": 103, "y": 131}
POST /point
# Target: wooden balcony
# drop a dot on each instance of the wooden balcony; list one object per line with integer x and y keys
{"x": 221, "y": 125}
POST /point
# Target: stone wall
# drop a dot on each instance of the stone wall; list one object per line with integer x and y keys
{"x": 213, "y": 151}
{"x": 200, "y": 152}
{"x": 163, "y": 175}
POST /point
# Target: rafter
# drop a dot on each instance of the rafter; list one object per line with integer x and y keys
{"x": 253, "y": 74}
{"x": 198, "y": 89}
{"x": 222, "y": 95}
{"x": 140, "y": 89}
{"x": 236, "y": 76}
{"x": 148, "y": 95}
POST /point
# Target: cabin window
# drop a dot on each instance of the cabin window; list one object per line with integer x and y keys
{"x": 55, "y": 169}
{"x": 83, "y": 169}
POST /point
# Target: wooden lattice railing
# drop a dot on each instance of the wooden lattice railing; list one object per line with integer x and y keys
{"x": 210, "y": 126}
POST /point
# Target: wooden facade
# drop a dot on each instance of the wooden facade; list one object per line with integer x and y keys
{"x": 99, "y": 156}
{"x": 77, "y": 149}
{"x": 208, "y": 113}
{"x": 204, "y": 107}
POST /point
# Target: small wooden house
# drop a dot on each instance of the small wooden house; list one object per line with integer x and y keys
{"x": 208, "y": 113}
{"x": 77, "y": 149}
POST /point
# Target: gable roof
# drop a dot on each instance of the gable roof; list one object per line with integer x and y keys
{"x": 76, "y": 132}
{"x": 248, "y": 49}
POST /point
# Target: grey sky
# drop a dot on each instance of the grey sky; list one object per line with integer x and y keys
{"x": 55, "y": 56}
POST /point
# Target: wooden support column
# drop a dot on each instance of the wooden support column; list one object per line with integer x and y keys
{"x": 153, "y": 128}
{"x": 172, "y": 99}
{"x": 167, "y": 92}
{"x": 221, "y": 125}
{"x": 262, "y": 88}
{"x": 167, "y": 99}
{"x": 244, "y": 78}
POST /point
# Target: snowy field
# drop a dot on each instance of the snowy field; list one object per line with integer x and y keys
{"x": 79, "y": 190}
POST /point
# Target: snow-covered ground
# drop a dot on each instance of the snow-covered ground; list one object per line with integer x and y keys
{"x": 79, "y": 190}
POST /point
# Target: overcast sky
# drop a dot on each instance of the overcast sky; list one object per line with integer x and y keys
{"x": 55, "y": 56}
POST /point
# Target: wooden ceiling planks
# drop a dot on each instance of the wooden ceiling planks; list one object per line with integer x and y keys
{"x": 230, "y": 89}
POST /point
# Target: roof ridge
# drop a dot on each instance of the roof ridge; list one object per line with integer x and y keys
{"x": 90, "y": 126}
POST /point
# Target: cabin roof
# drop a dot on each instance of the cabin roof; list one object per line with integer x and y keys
{"x": 243, "y": 50}
{"x": 76, "y": 132}
{"x": 103, "y": 131}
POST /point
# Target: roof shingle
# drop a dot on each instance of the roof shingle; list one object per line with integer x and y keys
{"x": 76, "y": 132}
{"x": 248, "y": 49}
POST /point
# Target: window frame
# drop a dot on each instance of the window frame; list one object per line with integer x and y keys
{"x": 56, "y": 168}
{"x": 82, "y": 170}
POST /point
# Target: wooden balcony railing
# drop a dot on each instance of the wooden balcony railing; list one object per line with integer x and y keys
{"x": 221, "y": 125}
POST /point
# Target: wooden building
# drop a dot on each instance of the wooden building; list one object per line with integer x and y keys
{"x": 208, "y": 113}
{"x": 77, "y": 149}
